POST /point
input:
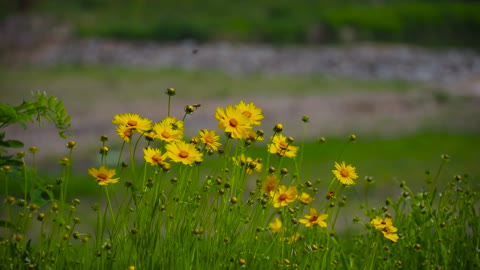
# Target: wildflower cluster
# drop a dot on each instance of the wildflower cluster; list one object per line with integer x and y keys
{"x": 208, "y": 198}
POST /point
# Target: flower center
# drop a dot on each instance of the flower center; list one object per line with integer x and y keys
{"x": 283, "y": 145}
{"x": 313, "y": 218}
{"x": 127, "y": 133}
{"x": 247, "y": 114}
{"x": 157, "y": 158}
{"x": 344, "y": 173}
{"x": 208, "y": 140}
{"x": 165, "y": 135}
{"x": 183, "y": 154}
{"x": 131, "y": 123}
{"x": 283, "y": 197}
{"x": 102, "y": 176}
{"x": 233, "y": 122}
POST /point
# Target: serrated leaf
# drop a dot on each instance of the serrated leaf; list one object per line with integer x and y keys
{"x": 41, "y": 100}
{"x": 59, "y": 106}
{"x": 51, "y": 101}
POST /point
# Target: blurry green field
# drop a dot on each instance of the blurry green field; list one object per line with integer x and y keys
{"x": 121, "y": 83}
{"x": 436, "y": 23}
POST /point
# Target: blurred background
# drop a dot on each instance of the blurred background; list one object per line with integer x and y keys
{"x": 403, "y": 75}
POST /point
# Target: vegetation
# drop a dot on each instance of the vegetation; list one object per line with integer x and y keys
{"x": 211, "y": 201}
{"x": 432, "y": 23}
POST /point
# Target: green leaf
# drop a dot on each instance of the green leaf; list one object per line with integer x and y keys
{"x": 7, "y": 114}
{"x": 51, "y": 101}
{"x": 13, "y": 144}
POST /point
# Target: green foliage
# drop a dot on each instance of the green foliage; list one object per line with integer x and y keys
{"x": 437, "y": 23}
{"x": 199, "y": 216}
{"x": 43, "y": 108}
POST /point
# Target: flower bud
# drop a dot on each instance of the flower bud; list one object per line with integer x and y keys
{"x": 171, "y": 92}
{"x": 278, "y": 128}
{"x": 71, "y": 144}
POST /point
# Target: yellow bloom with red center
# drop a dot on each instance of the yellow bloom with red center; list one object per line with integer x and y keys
{"x": 253, "y": 113}
{"x": 183, "y": 152}
{"x": 270, "y": 184}
{"x": 154, "y": 156}
{"x": 124, "y": 132}
{"x": 233, "y": 121}
{"x": 169, "y": 129}
{"x": 390, "y": 233}
{"x": 345, "y": 174}
{"x": 386, "y": 227}
{"x": 281, "y": 146}
{"x": 314, "y": 218}
{"x": 379, "y": 223}
{"x": 103, "y": 175}
{"x": 283, "y": 196}
{"x": 305, "y": 198}
{"x": 210, "y": 139}
{"x": 133, "y": 121}
{"x": 276, "y": 225}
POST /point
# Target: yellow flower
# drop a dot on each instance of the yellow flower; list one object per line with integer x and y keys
{"x": 386, "y": 227}
{"x": 249, "y": 163}
{"x": 154, "y": 156}
{"x": 390, "y": 233}
{"x": 305, "y": 198}
{"x": 210, "y": 139}
{"x": 133, "y": 121}
{"x": 284, "y": 196}
{"x": 233, "y": 121}
{"x": 183, "y": 152}
{"x": 292, "y": 239}
{"x": 253, "y": 136}
{"x": 314, "y": 218}
{"x": 253, "y": 113}
{"x": 379, "y": 223}
{"x": 124, "y": 132}
{"x": 276, "y": 225}
{"x": 169, "y": 129}
{"x": 345, "y": 174}
{"x": 270, "y": 184}
{"x": 103, "y": 175}
{"x": 281, "y": 146}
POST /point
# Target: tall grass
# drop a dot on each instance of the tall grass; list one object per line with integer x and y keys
{"x": 171, "y": 210}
